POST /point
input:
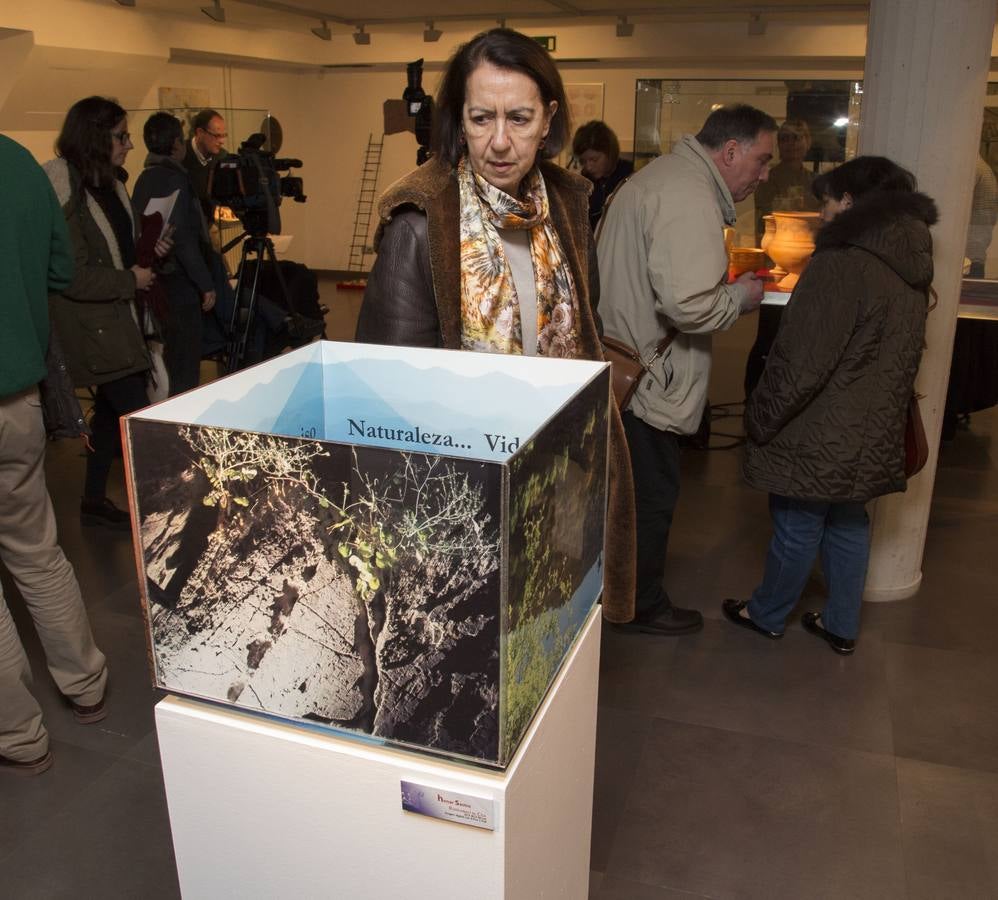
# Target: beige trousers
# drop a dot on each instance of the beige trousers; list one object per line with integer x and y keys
{"x": 47, "y": 583}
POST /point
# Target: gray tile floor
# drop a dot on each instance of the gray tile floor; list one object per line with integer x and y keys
{"x": 727, "y": 766}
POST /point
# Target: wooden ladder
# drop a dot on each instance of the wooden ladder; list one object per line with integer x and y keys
{"x": 359, "y": 247}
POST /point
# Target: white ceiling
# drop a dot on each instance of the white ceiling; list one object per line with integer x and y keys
{"x": 349, "y": 13}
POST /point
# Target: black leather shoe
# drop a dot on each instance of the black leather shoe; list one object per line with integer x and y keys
{"x": 104, "y": 512}
{"x": 732, "y": 610}
{"x": 665, "y": 620}
{"x": 30, "y": 767}
{"x": 87, "y": 714}
{"x": 841, "y": 645}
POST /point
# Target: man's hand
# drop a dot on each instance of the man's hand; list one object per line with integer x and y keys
{"x": 165, "y": 244}
{"x": 207, "y": 301}
{"x": 753, "y": 298}
{"x": 143, "y": 277}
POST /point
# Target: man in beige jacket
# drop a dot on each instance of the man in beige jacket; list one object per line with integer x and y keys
{"x": 663, "y": 267}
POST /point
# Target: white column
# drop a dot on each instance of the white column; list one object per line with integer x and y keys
{"x": 925, "y": 79}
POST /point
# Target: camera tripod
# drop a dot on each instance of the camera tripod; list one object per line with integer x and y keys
{"x": 244, "y": 311}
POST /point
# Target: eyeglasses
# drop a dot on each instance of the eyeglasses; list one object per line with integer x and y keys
{"x": 220, "y": 137}
{"x": 121, "y": 136}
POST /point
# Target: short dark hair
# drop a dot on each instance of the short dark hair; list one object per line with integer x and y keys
{"x": 598, "y": 136}
{"x": 160, "y": 132}
{"x": 737, "y": 122}
{"x": 85, "y": 139}
{"x": 202, "y": 119}
{"x": 505, "y": 49}
{"x": 861, "y": 176}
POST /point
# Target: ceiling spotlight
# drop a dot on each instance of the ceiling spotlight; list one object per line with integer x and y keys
{"x": 322, "y": 31}
{"x": 215, "y": 11}
{"x": 431, "y": 34}
{"x": 360, "y": 36}
{"x": 756, "y": 24}
{"x": 125, "y": 2}
{"x": 624, "y": 28}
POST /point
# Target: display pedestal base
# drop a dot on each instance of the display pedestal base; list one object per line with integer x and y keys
{"x": 259, "y": 808}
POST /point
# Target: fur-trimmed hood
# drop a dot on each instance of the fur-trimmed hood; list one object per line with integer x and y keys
{"x": 892, "y": 225}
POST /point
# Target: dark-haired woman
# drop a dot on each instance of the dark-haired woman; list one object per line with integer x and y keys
{"x": 96, "y": 317}
{"x": 487, "y": 246}
{"x": 598, "y": 152}
{"x": 826, "y": 423}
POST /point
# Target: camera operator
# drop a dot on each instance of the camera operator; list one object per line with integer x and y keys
{"x": 189, "y": 287}
{"x": 207, "y": 144}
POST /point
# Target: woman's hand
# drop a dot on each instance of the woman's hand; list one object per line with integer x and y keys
{"x": 143, "y": 278}
{"x": 164, "y": 245}
{"x": 207, "y": 301}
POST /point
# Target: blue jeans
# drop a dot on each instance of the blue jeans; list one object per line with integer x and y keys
{"x": 802, "y": 529}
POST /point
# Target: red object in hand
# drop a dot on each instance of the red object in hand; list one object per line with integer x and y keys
{"x": 153, "y": 297}
{"x": 150, "y": 228}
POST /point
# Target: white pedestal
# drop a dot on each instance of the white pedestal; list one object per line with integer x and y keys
{"x": 263, "y": 809}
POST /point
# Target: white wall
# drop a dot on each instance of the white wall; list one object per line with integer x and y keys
{"x": 327, "y": 118}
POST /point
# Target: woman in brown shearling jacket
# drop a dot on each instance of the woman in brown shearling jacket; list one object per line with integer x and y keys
{"x": 826, "y": 423}
{"x": 488, "y": 233}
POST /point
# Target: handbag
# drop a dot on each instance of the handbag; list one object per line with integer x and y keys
{"x": 916, "y": 446}
{"x": 627, "y": 368}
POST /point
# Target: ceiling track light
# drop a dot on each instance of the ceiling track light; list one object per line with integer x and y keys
{"x": 125, "y": 2}
{"x": 322, "y": 32}
{"x": 431, "y": 34}
{"x": 624, "y": 28}
{"x": 214, "y": 11}
{"x": 756, "y": 24}
{"x": 360, "y": 36}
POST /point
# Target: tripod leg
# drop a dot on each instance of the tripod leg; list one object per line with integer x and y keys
{"x": 240, "y": 339}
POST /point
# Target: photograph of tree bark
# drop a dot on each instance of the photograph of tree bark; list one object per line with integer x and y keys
{"x": 352, "y": 586}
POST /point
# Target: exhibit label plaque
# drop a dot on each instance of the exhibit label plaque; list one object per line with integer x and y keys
{"x": 451, "y": 806}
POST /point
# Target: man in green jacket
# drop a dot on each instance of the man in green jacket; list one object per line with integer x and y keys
{"x": 35, "y": 258}
{"x": 663, "y": 270}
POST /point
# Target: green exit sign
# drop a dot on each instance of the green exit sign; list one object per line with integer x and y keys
{"x": 548, "y": 41}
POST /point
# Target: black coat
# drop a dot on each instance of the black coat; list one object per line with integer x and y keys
{"x": 191, "y": 276}
{"x": 198, "y": 174}
{"x": 826, "y": 421}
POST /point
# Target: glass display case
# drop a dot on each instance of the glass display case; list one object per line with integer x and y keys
{"x": 822, "y": 126}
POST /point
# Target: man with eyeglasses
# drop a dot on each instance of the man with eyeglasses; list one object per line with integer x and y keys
{"x": 207, "y": 144}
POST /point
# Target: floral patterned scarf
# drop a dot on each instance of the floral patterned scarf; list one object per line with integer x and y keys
{"x": 490, "y": 309}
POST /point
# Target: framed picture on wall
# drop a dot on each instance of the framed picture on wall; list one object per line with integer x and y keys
{"x": 185, "y": 103}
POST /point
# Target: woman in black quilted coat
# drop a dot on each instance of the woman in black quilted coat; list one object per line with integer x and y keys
{"x": 826, "y": 423}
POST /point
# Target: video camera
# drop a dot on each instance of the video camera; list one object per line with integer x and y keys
{"x": 249, "y": 184}
{"x": 420, "y": 107}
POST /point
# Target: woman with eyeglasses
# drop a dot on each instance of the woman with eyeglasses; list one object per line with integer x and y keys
{"x": 96, "y": 316}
